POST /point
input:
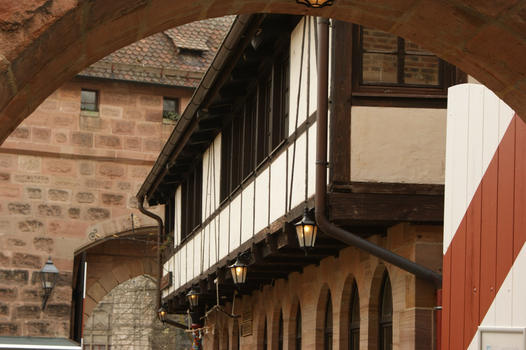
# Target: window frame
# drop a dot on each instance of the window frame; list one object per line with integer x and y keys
{"x": 177, "y": 111}
{"x": 96, "y": 103}
{"x": 447, "y": 76}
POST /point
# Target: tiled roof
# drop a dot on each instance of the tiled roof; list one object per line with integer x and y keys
{"x": 190, "y": 47}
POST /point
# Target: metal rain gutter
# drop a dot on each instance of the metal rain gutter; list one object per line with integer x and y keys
{"x": 321, "y": 175}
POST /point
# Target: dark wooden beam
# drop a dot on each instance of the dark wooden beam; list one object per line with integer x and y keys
{"x": 211, "y": 124}
{"x": 346, "y": 207}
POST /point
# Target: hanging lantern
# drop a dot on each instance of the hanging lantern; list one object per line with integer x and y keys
{"x": 315, "y": 3}
{"x": 306, "y": 230}
{"x": 193, "y": 298}
{"x": 161, "y": 314}
{"x": 49, "y": 275}
{"x": 238, "y": 271}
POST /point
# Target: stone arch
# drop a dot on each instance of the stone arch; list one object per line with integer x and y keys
{"x": 273, "y": 326}
{"x": 370, "y": 332}
{"x": 96, "y": 290}
{"x": 345, "y": 303}
{"x": 320, "y": 315}
{"x": 290, "y": 330}
{"x": 486, "y": 40}
{"x": 261, "y": 329}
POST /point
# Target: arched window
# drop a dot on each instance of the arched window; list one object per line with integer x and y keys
{"x": 280, "y": 331}
{"x": 298, "y": 329}
{"x": 386, "y": 314}
{"x": 327, "y": 341}
{"x": 354, "y": 319}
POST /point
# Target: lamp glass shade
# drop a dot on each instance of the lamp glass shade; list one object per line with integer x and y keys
{"x": 315, "y": 3}
{"x": 306, "y": 230}
{"x": 193, "y": 298}
{"x": 49, "y": 275}
{"x": 162, "y": 313}
{"x": 239, "y": 272}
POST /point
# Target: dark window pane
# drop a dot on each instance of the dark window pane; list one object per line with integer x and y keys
{"x": 387, "y": 299}
{"x": 88, "y": 100}
{"x": 380, "y": 68}
{"x": 171, "y": 109}
{"x": 422, "y": 70}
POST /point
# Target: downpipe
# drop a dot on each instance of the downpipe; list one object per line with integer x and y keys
{"x": 321, "y": 178}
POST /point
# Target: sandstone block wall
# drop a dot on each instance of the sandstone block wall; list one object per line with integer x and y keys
{"x": 64, "y": 173}
{"x": 414, "y": 322}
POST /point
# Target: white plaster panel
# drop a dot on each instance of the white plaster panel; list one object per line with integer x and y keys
{"x": 247, "y": 220}
{"x": 182, "y": 264}
{"x": 278, "y": 187}
{"x": 398, "y": 145}
{"x": 311, "y": 180}
{"x": 206, "y": 242}
{"x": 235, "y": 224}
{"x": 190, "y": 261}
{"x": 261, "y": 201}
{"x": 224, "y": 232}
{"x": 297, "y": 172}
{"x": 177, "y": 224}
{"x": 214, "y": 241}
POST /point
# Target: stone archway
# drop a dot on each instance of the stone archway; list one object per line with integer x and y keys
{"x": 45, "y": 43}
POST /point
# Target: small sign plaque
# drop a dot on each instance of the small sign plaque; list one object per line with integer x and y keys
{"x": 246, "y": 328}
{"x": 166, "y": 281}
{"x": 247, "y": 314}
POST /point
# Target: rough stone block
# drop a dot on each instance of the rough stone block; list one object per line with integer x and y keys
{"x": 123, "y": 127}
{"x": 19, "y": 208}
{"x": 134, "y": 114}
{"x": 133, "y": 202}
{"x": 32, "y": 295}
{"x": 149, "y": 129}
{"x": 35, "y": 179}
{"x": 49, "y": 210}
{"x": 62, "y": 182}
{"x": 42, "y": 329}
{"x": 86, "y": 168}
{"x": 4, "y": 260}
{"x": 4, "y": 309}
{"x": 100, "y": 184}
{"x": 108, "y": 141}
{"x": 67, "y": 229}
{"x": 5, "y": 176}
{"x": 41, "y": 135}
{"x": 113, "y": 199}
{"x": 139, "y": 172}
{"x": 28, "y": 311}
{"x": 151, "y": 145}
{"x": 112, "y": 170}
{"x": 43, "y": 244}
{"x": 33, "y": 193}
{"x": 74, "y": 213}
{"x": 98, "y": 214}
{"x": 124, "y": 186}
{"x": 21, "y": 133}
{"x": 8, "y": 293}
{"x": 29, "y": 164}
{"x": 57, "y": 195}
{"x": 118, "y": 99}
{"x": 27, "y": 260}
{"x": 17, "y": 277}
{"x": 15, "y": 242}
{"x": 82, "y": 139}
{"x": 155, "y": 116}
{"x": 96, "y": 292}
{"x": 151, "y": 101}
{"x": 10, "y": 191}
{"x": 70, "y": 106}
{"x": 9, "y": 329}
{"x": 108, "y": 281}
{"x": 30, "y": 226}
{"x": 58, "y": 166}
{"x": 94, "y": 124}
{"x": 57, "y": 310}
{"x": 60, "y": 138}
{"x": 85, "y": 197}
{"x": 64, "y": 121}
{"x": 110, "y": 112}
{"x": 7, "y": 161}
{"x": 132, "y": 143}
{"x": 49, "y": 105}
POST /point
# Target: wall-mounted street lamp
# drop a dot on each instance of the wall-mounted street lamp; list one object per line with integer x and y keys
{"x": 49, "y": 275}
{"x": 315, "y": 3}
{"x": 306, "y": 230}
{"x": 161, "y": 314}
{"x": 193, "y": 298}
{"x": 239, "y": 268}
